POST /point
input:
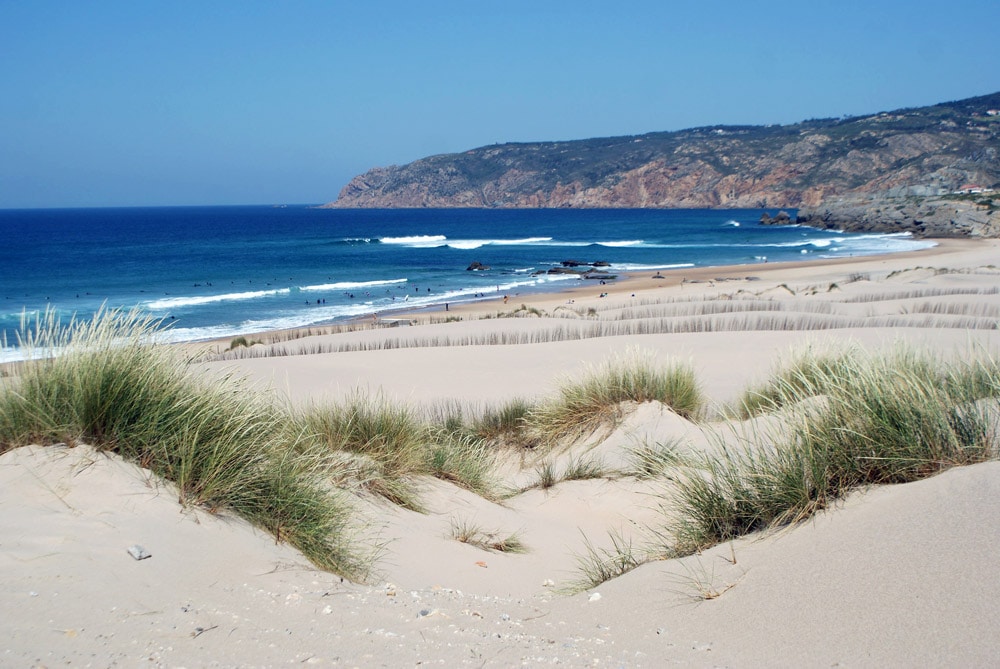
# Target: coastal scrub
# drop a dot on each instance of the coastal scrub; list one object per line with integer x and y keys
{"x": 595, "y": 399}
{"x": 849, "y": 421}
{"x": 387, "y": 445}
{"x": 107, "y": 383}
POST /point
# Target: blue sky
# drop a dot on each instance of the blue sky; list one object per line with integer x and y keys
{"x": 192, "y": 102}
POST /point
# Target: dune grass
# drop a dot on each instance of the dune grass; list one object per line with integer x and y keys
{"x": 388, "y": 436}
{"x": 499, "y": 425}
{"x": 468, "y": 462}
{"x": 585, "y": 469}
{"x": 504, "y": 423}
{"x": 398, "y": 446}
{"x": 802, "y": 377}
{"x": 848, "y": 419}
{"x": 649, "y": 461}
{"x": 470, "y": 533}
{"x": 881, "y": 418}
{"x": 111, "y": 386}
{"x": 594, "y": 401}
{"x": 242, "y": 341}
{"x": 597, "y": 565}
{"x": 548, "y": 474}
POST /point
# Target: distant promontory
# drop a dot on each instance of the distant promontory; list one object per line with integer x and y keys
{"x": 819, "y": 166}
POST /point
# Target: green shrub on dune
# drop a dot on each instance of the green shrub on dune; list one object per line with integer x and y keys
{"x": 586, "y": 404}
{"x": 882, "y": 418}
{"x": 398, "y": 447}
{"x": 799, "y": 379}
{"x": 386, "y": 435}
{"x": 503, "y": 423}
{"x": 467, "y": 461}
{"x": 112, "y": 386}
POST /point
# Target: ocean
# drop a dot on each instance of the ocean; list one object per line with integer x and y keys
{"x": 224, "y": 271}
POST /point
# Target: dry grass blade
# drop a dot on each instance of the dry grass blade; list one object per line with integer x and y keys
{"x": 469, "y": 533}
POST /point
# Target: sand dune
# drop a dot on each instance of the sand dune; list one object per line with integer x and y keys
{"x": 893, "y": 576}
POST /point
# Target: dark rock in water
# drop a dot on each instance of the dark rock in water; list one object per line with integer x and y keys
{"x": 581, "y": 263}
{"x": 781, "y": 218}
{"x": 477, "y": 267}
{"x": 565, "y": 270}
{"x": 600, "y": 275}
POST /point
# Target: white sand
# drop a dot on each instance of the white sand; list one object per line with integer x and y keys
{"x": 897, "y": 576}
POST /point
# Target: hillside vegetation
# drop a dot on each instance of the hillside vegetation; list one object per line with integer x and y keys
{"x": 922, "y": 151}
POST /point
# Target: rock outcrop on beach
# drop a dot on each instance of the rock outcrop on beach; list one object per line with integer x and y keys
{"x": 934, "y": 150}
{"x": 939, "y": 216}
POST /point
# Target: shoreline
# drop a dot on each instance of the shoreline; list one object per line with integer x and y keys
{"x": 642, "y": 283}
{"x": 584, "y": 293}
{"x": 639, "y": 283}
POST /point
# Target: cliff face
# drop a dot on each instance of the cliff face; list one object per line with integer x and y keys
{"x": 938, "y": 148}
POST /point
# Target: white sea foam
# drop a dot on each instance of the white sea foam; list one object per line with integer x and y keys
{"x": 732, "y": 223}
{"x": 168, "y": 303}
{"x": 349, "y": 285}
{"x": 552, "y": 278}
{"x": 627, "y": 267}
{"x": 635, "y": 242}
{"x": 419, "y": 241}
{"x": 572, "y": 244}
{"x": 881, "y": 243}
{"x": 14, "y": 354}
{"x": 817, "y": 243}
{"x": 298, "y": 320}
{"x": 190, "y": 301}
{"x": 527, "y": 240}
{"x": 434, "y": 241}
{"x": 468, "y": 244}
{"x": 325, "y": 314}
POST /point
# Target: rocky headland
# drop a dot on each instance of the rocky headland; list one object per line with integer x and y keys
{"x": 929, "y": 216}
{"x": 892, "y": 170}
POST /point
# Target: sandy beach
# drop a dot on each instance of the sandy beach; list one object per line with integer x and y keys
{"x": 893, "y": 575}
